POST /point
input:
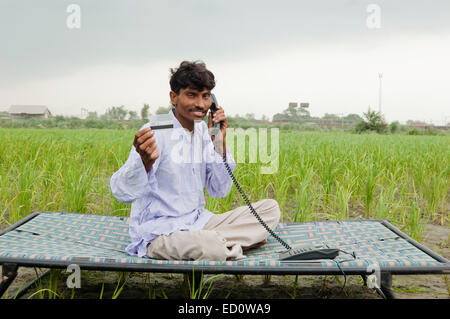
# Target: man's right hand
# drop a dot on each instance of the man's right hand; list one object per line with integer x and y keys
{"x": 145, "y": 145}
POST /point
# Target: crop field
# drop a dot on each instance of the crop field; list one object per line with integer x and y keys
{"x": 320, "y": 176}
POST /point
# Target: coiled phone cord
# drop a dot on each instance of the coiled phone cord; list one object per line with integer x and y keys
{"x": 247, "y": 201}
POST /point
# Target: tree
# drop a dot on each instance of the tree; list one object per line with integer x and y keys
{"x": 292, "y": 114}
{"x": 250, "y": 116}
{"x": 145, "y": 112}
{"x": 163, "y": 110}
{"x": 281, "y": 117}
{"x": 116, "y": 113}
{"x": 331, "y": 118}
{"x": 374, "y": 121}
{"x": 133, "y": 115}
{"x": 352, "y": 119}
{"x": 394, "y": 127}
{"x": 59, "y": 118}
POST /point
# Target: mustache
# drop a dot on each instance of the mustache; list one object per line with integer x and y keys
{"x": 198, "y": 109}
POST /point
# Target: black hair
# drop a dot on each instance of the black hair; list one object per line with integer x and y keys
{"x": 192, "y": 75}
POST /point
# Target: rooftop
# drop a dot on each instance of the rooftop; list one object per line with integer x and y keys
{"x": 27, "y": 109}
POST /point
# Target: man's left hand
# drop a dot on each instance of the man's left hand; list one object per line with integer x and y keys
{"x": 219, "y": 139}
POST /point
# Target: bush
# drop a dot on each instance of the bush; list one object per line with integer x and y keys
{"x": 394, "y": 127}
{"x": 414, "y": 131}
{"x": 428, "y": 131}
{"x": 374, "y": 122}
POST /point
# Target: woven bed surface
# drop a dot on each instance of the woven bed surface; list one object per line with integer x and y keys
{"x": 102, "y": 239}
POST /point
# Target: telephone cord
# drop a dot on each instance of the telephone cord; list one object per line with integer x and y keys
{"x": 247, "y": 201}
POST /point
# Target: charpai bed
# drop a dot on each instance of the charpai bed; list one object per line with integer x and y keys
{"x": 97, "y": 242}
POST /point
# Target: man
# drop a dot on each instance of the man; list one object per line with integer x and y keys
{"x": 165, "y": 176}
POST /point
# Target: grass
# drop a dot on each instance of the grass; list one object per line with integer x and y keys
{"x": 321, "y": 176}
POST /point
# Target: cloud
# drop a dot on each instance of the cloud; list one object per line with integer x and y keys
{"x": 264, "y": 53}
{"x": 39, "y": 44}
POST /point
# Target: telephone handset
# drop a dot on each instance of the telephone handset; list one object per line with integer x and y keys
{"x": 213, "y": 108}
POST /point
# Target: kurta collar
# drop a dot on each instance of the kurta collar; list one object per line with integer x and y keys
{"x": 177, "y": 124}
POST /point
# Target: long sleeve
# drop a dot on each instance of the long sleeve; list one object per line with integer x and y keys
{"x": 131, "y": 181}
{"x": 218, "y": 181}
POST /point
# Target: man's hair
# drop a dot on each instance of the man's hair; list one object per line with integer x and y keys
{"x": 192, "y": 75}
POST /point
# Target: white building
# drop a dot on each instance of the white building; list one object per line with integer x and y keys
{"x": 26, "y": 112}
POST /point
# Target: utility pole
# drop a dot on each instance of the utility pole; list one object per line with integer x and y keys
{"x": 380, "y": 76}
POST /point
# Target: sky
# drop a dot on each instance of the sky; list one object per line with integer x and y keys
{"x": 264, "y": 54}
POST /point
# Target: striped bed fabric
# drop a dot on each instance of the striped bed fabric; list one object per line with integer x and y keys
{"x": 97, "y": 241}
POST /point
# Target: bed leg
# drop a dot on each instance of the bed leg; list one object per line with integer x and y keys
{"x": 364, "y": 278}
{"x": 386, "y": 286}
{"x": 9, "y": 273}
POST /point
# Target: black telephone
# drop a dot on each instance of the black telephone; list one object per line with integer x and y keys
{"x": 213, "y": 108}
{"x": 291, "y": 254}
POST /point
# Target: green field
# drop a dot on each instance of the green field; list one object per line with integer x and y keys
{"x": 321, "y": 176}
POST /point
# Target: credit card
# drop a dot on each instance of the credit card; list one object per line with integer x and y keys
{"x": 161, "y": 121}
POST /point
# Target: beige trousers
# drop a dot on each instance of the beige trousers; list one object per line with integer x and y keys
{"x": 222, "y": 238}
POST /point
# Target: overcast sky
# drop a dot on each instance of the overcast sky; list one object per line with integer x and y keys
{"x": 264, "y": 54}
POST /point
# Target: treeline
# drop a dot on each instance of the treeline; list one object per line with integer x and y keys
{"x": 63, "y": 122}
{"x": 72, "y": 122}
{"x": 374, "y": 122}
{"x": 292, "y": 118}
{"x": 301, "y": 115}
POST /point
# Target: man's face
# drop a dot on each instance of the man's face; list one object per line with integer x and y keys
{"x": 191, "y": 105}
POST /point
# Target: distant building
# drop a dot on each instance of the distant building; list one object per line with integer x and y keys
{"x": 423, "y": 126}
{"x": 27, "y": 112}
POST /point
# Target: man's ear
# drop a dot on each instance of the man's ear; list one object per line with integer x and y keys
{"x": 173, "y": 98}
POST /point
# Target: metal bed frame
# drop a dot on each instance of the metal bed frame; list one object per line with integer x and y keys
{"x": 98, "y": 242}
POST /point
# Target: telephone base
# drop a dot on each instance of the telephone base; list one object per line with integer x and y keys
{"x": 309, "y": 253}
